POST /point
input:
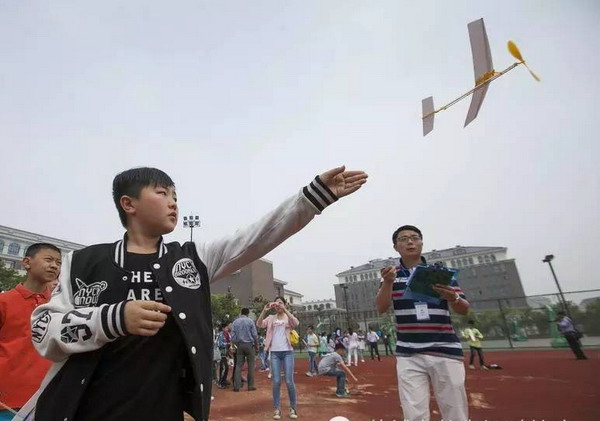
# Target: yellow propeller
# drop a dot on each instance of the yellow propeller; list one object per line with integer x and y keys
{"x": 514, "y": 51}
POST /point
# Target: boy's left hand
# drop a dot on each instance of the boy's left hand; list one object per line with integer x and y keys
{"x": 342, "y": 182}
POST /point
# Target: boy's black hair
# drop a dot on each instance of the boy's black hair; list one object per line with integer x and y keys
{"x": 407, "y": 228}
{"x": 245, "y": 311}
{"x": 279, "y": 297}
{"x": 131, "y": 182}
{"x": 34, "y": 249}
{"x": 339, "y": 346}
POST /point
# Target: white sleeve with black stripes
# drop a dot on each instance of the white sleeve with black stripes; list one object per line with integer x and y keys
{"x": 225, "y": 256}
{"x": 58, "y": 329}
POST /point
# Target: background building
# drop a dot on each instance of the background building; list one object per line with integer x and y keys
{"x": 255, "y": 280}
{"x": 324, "y": 315}
{"x": 14, "y": 243}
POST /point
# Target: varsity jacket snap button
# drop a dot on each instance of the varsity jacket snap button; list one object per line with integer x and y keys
{"x": 156, "y": 266}
{"x": 193, "y": 350}
{"x": 124, "y": 278}
{"x": 169, "y": 289}
{"x": 82, "y": 381}
{"x": 182, "y": 316}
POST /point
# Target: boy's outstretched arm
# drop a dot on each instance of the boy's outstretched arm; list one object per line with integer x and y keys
{"x": 225, "y": 256}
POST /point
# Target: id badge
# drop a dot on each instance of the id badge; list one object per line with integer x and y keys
{"x": 422, "y": 311}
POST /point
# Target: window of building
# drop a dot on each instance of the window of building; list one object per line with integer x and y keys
{"x": 1, "y": 246}
{"x": 471, "y": 261}
{"x": 479, "y": 259}
{"x": 465, "y": 261}
{"x": 14, "y": 249}
{"x": 310, "y": 307}
{"x": 327, "y": 306}
{"x": 493, "y": 256}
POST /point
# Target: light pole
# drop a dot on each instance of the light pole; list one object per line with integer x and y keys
{"x": 191, "y": 222}
{"x": 345, "y": 287}
{"x": 548, "y": 259}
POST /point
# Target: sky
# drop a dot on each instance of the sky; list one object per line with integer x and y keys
{"x": 242, "y": 103}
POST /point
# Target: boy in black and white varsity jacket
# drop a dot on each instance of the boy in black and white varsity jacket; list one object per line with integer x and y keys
{"x": 129, "y": 326}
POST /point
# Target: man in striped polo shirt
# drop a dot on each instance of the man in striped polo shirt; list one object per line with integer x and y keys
{"x": 427, "y": 347}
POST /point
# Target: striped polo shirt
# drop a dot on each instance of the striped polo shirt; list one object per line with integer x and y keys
{"x": 435, "y": 336}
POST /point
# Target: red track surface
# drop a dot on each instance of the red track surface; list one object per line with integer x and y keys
{"x": 533, "y": 385}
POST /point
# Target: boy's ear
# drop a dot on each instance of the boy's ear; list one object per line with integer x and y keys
{"x": 27, "y": 262}
{"x": 128, "y": 204}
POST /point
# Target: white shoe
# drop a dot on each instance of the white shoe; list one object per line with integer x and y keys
{"x": 293, "y": 414}
{"x": 362, "y": 361}
{"x": 277, "y": 414}
{"x": 472, "y": 367}
{"x": 309, "y": 374}
{"x": 269, "y": 375}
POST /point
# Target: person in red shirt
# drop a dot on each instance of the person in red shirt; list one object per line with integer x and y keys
{"x": 21, "y": 367}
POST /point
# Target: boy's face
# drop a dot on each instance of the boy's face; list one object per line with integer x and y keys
{"x": 155, "y": 209}
{"x": 408, "y": 244}
{"x": 44, "y": 266}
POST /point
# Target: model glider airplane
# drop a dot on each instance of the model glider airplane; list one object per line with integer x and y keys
{"x": 484, "y": 75}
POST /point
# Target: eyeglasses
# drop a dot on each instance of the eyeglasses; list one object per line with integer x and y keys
{"x": 406, "y": 239}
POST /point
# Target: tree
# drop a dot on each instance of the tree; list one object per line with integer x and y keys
{"x": 258, "y": 303}
{"x": 224, "y": 307}
{"x": 9, "y": 278}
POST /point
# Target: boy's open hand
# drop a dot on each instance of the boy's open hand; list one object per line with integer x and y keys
{"x": 342, "y": 182}
{"x": 145, "y": 318}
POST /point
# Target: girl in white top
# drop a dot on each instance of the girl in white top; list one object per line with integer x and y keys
{"x": 278, "y": 344}
{"x": 352, "y": 347}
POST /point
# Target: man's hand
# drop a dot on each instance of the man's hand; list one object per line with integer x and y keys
{"x": 388, "y": 274}
{"x": 145, "y": 318}
{"x": 342, "y": 182}
{"x": 446, "y": 292}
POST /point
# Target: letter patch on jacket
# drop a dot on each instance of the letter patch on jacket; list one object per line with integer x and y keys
{"x": 87, "y": 295}
{"x": 185, "y": 274}
{"x": 39, "y": 327}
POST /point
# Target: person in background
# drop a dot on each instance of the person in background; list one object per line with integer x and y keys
{"x": 386, "y": 344}
{"x": 322, "y": 344}
{"x": 566, "y": 327}
{"x": 262, "y": 354}
{"x": 21, "y": 367}
{"x": 352, "y": 347}
{"x": 328, "y": 367}
{"x": 312, "y": 343}
{"x": 372, "y": 339}
{"x": 361, "y": 346}
{"x": 474, "y": 336}
{"x": 278, "y": 343}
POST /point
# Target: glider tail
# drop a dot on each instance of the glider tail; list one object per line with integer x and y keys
{"x": 428, "y": 115}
